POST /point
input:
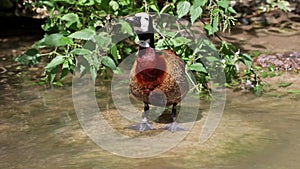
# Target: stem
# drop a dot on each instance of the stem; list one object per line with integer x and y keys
{"x": 146, "y": 6}
{"x": 45, "y": 54}
{"x": 193, "y": 83}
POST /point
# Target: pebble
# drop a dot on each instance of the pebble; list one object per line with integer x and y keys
{"x": 281, "y": 61}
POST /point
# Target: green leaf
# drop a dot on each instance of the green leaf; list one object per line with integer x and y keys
{"x": 212, "y": 59}
{"x": 210, "y": 45}
{"x": 66, "y": 1}
{"x": 227, "y": 48}
{"x": 284, "y": 5}
{"x": 166, "y": 8}
{"x": 178, "y": 41}
{"x": 65, "y": 64}
{"x": 216, "y": 11}
{"x": 89, "y": 59}
{"x": 85, "y": 34}
{"x": 60, "y": 84}
{"x": 197, "y": 67}
{"x": 272, "y": 74}
{"x": 51, "y": 74}
{"x": 64, "y": 41}
{"x": 161, "y": 44}
{"x": 264, "y": 74}
{"x": 231, "y": 10}
{"x": 81, "y": 51}
{"x": 47, "y": 3}
{"x": 114, "y": 5}
{"x": 183, "y": 7}
{"x": 86, "y": 2}
{"x": 65, "y": 70}
{"x": 198, "y": 3}
{"x": 59, "y": 59}
{"x": 269, "y": 1}
{"x": 124, "y": 2}
{"x": 98, "y": 1}
{"x": 103, "y": 40}
{"x": 54, "y": 40}
{"x": 247, "y": 60}
{"x": 195, "y": 12}
{"x": 100, "y": 13}
{"x": 209, "y": 29}
{"x": 126, "y": 28}
{"x": 215, "y": 24}
{"x": 71, "y": 63}
{"x": 170, "y": 34}
{"x": 114, "y": 52}
{"x": 271, "y": 68}
{"x": 294, "y": 91}
{"x": 71, "y": 18}
{"x": 30, "y": 57}
{"x": 223, "y": 3}
{"x": 107, "y": 61}
{"x": 284, "y": 84}
{"x": 154, "y": 8}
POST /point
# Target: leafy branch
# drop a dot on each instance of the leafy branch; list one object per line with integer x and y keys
{"x": 71, "y": 36}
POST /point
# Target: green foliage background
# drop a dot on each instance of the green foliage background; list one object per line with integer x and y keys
{"x": 70, "y": 24}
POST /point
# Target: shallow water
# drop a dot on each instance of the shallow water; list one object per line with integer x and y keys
{"x": 280, "y": 116}
{"x": 39, "y": 129}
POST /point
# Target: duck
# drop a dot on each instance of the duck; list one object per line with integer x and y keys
{"x": 157, "y": 77}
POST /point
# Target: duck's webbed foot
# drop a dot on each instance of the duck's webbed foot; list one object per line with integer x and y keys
{"x": 174, "y": 126}
{"x": 144, "y": 125}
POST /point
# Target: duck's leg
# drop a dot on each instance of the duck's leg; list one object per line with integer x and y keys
{"x": 174, "y": 126}
{"x": 144, "y": 125}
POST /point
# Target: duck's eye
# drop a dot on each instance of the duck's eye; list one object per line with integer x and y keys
{"x": 137, "y": 18}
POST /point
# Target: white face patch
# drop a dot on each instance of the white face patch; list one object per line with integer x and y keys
{"x": 144, "y": 43}
{"x": 144, "y": 20}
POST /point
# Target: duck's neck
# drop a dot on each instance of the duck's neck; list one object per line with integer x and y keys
{"x": 146, "y": 36}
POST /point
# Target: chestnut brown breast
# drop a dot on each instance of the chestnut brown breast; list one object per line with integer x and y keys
{"x": 158, "y": 78}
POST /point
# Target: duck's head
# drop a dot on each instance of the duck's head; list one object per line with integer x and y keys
{"x": 142, "y": 25}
